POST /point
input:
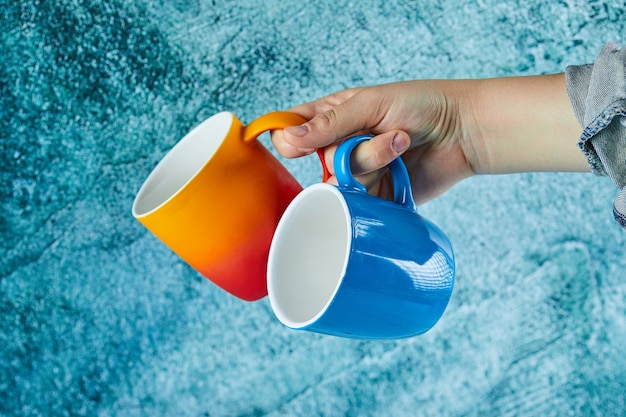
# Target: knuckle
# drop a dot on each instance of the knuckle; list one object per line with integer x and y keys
{"x": 327, "y": 120}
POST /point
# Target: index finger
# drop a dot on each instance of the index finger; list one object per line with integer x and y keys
{"x": 294, "y": 143}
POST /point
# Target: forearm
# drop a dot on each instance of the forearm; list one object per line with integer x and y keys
{"x": 524, "y": 124}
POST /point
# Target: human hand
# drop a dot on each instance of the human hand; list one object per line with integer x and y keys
{"x": 444, "y": 130}
{"x": 420, "y": 120}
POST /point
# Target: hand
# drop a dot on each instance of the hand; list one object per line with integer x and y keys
{"x": 414, "y": 119}
{"x": 445, "y": 130}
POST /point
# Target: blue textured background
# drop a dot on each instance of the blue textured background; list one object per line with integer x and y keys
{"x": 98, "y": 318}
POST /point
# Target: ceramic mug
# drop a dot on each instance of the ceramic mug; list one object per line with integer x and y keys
{"x": 216, "y": 197}
{"x": 349, "y": 264}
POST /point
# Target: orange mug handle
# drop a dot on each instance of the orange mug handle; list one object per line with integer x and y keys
{"x": 280, "y": 120}
{"x": 271, "y": 121}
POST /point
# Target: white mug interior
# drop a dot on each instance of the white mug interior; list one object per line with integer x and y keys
{"x": 309, "y": 255}
{"x": 181, "y": 164}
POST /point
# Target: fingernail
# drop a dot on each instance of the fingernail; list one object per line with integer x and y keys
{"x": 298, "y": 130}
{"x": 295, "y": 150}
{"x": 306, "y": 151}
{"x": 400, "y": 143}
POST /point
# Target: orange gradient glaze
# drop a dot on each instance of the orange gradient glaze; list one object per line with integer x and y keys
{"x": 222, "y": 220}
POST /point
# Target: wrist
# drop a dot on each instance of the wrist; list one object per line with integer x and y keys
{"x": 523, "y": 124}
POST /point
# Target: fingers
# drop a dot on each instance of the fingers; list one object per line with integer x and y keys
{"x": 340, "y": 115}
{"x": 379, "y": 152}
{"x": 297, "y": 141}
{"x": 330, "y": 118}
{"x": 334, "y": 122}
{"x": 369, "y": 159}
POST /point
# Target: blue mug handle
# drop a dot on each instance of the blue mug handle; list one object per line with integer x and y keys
{"x": 402, "y": 194}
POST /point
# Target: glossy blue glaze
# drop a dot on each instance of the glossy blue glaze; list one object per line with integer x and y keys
{"x": 401, "y": 268}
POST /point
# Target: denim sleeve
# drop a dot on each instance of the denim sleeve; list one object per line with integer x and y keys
{"x": 598, "y": 95}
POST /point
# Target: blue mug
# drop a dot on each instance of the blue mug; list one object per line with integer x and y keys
{"x": 348, "y": 264}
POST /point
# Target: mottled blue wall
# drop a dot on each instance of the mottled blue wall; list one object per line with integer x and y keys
{"x": 97, "y": 317}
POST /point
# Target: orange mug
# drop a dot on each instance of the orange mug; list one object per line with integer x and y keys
{"x": 216, "y": 197}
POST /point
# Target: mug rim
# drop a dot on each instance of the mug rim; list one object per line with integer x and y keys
{"x": 285, "y": 223}
{"x": 145, "y": 202}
